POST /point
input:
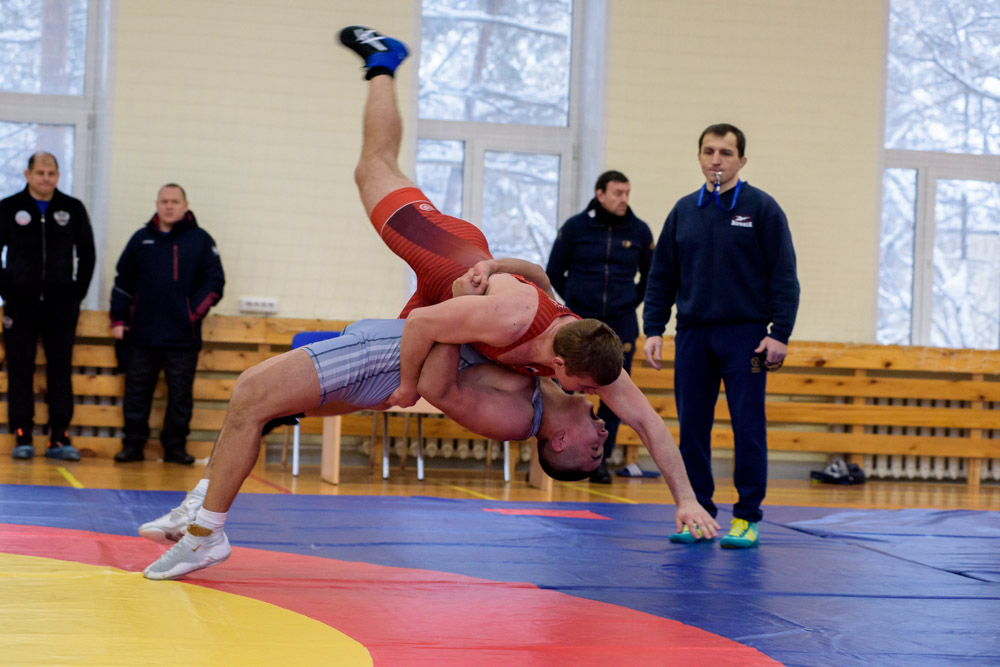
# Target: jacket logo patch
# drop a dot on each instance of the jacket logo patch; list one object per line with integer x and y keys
{"x": 148, "y": 242}
{"x": 22, "y": 217}
{"x": 742, "y": 221}
{"x": 61, "y": 217}
{"x": 626, "y": 243}
{"x": 215, "y": 251}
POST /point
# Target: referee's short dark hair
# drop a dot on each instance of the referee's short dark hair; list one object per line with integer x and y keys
{"x": 721, "y": 130}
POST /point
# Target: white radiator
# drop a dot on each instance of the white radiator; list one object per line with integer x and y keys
{"x": 886, "y": 466}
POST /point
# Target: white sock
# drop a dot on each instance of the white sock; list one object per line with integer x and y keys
{"x": 211, "y": 520}
{"x": 200, "y": 490}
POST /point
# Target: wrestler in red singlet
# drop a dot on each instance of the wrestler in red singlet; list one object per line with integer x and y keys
{"x": 440, "y": 249}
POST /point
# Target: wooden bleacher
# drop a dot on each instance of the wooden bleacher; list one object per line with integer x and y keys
{"x": 833, "y": 398}
{"x": 231, "y": 345}
{"x": 852, "y": 399}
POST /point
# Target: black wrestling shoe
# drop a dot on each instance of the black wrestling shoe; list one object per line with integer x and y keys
{"x": 290, "y": 420}
{"x": 382, "y": 55}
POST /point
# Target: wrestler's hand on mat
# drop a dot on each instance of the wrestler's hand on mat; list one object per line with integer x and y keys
{"x": 653, "y": 349}
{"x": 404, "y": 397}
{"x": 689, "y": 513}
{"x": 470, "y": 284}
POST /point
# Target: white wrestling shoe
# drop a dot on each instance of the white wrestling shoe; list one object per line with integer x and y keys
{"x": 172, "y": 526}
{"x": 190, "y": 554}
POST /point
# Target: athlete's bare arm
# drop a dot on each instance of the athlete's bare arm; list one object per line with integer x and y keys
{"x": 498, "y": 318}
{"x": 633, "y": 408}
{"x": 529, "y": 270}
{"x": 487, "y": 399}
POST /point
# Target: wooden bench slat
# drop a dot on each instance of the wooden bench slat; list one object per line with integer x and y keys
{"x": 824, "y": 400}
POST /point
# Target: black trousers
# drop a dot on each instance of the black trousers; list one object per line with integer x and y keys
{"x": 143, "y": 365}
{"x": 627, "y": 328}
{"x": 704, "y": 356}
{"x": 25, "y": 321}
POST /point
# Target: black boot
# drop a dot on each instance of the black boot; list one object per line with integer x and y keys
{"x": 601, "y": 475}
{"x": 177, "y": 456}
{"x": 130, "y": 455}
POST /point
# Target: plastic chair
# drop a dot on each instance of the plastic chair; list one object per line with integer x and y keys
{"x": 421, "y": 409}
{"x": 299, "y": 340}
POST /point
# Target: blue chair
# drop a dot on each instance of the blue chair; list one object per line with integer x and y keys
{"x": 299, "y": 340}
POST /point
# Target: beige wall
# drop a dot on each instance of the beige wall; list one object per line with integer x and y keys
{"x": 255, "y": 109}
{"x": 802, "y": 79}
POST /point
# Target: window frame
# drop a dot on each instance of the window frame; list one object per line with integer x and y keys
{"x": 578, "y": 158}
{"x": 930, "y": 167}
{"x": 87, "y": 114}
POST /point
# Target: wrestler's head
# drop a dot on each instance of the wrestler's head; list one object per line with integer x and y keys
{"x": 571, "y": 437}
{"x": 588, "y": 355}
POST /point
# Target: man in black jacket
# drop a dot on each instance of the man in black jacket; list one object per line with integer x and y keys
{"x": 49, "y": 264}
{"x": 593, "y": 267}
{"x": 169, "y": 275}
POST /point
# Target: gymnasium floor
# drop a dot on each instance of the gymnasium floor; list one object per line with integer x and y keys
{"x": 462, "y": 569}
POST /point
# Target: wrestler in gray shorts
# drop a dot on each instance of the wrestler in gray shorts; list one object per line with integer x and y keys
{"x": 361, "y": 366}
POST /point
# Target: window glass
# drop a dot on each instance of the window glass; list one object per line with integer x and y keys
{"x": 943, "y": 87}
{"x": 521, "y": 204}
{"x": 43, "y": 46}
{"x": 966, "y": 306}
{"x": 895, "y": 290}
{"x": 496, "y": 61}
{"x": 18, "y": 141}
{"x": 440, "y": 168}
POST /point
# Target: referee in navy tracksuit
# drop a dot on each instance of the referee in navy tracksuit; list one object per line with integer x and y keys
{"x": 725, "y": 257}
{"x": 593, "y": 267}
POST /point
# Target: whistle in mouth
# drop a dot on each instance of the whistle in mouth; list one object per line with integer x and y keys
{"x": 718, "y": 178}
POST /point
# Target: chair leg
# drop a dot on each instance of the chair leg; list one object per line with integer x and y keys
{"x": 371, "y": 453}
{"x": 406, "y": 441}
{"x": 420, "y": 448}
{"x": 506, "y": 461}
{"x": 295, "y": 450}
{"x": 284, "y": 449}
{"x": 385, "y": 445}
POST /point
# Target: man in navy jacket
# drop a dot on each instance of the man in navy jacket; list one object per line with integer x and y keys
{"x": 725, "y": 257}
{"x": 169, "y": 275}
{"x": 593, "y": 267}
{"x": 49, "y": 264}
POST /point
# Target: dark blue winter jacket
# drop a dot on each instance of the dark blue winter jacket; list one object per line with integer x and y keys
{"x": 166, "y": 283}
{"x": 595, "y": 259}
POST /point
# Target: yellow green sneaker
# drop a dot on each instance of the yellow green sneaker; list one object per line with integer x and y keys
{"x": 687, "y": 537}
{"x": 742, "y": 535}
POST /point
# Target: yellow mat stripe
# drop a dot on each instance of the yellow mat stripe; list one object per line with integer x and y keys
{"x": 589, "y": 489}
{"x": 69, "y": 478}
{"x": 465, "y": 490}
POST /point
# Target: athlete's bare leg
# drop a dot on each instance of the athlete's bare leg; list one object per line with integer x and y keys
{"x": 378, "y": 173}
{"x": 284, "y": 385}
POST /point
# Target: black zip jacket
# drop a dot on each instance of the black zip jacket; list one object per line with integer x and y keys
{"x": 41, "y": 248}
{"x": 595, "y": 259}
{"x": 166, "y": 284}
